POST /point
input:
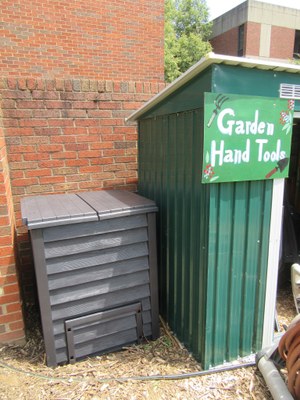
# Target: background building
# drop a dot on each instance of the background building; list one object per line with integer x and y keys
{"x": 70, "y": 73}
{"x": 256, "y": 29}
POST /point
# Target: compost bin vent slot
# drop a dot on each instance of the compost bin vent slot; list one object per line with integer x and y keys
{"x": 289, "y": 91}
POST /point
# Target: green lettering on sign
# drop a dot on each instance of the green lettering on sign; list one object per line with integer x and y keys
{"x": 246, "y": 137}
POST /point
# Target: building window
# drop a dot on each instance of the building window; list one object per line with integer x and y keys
{"x": 297, "y": 45}
{"x": 241, "y": 40}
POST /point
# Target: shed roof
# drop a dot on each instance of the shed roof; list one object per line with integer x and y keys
{"x": 205, "y": 62}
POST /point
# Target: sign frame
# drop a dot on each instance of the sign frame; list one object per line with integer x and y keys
{"x": 246, "y": 137}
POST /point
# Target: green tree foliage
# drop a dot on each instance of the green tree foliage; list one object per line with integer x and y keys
{"x": 186, "y": 35}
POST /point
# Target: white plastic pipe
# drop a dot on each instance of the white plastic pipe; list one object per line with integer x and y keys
{"x": 273, "y": 380}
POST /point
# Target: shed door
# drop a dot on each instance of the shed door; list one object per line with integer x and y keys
{"x": 285, "y": 236}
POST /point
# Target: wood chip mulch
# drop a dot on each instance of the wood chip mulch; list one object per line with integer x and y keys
{"x": 24, "y": 374}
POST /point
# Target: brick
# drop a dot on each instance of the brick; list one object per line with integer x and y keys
{"x": 4, "y": 221}
{"x": 10, "y": 317}
{"x": 109, "y": 105}
{"x": 22, "y": 84}
{"x": 125, "y": 145}
{"x": 100, "y": 113}
{"x": 64, "y": 154}
{"x": 30, "y": 104}
{"x": 112, "y": 137}
{"x": 85, "y": 85}
{"x": 91, "y": 169}
{"x": 64, "y": 171}
{"x": 76, "y": 85}
{"x": 125, "y": 174}
{"x": 6, "y": 268}
{"x": 78, "y": 177}
{"x": 31, "y": 83}
{"x": 88, "y": 138}
{"x": 59, "y": 84}
{"x": 51, "y": 179}
{"x": 19, "y": 131}
{"x": 37, "y": 173}
{"x": 76, "y": 163}
{"x": 115, "y": 152}
{"x": 75, "y": 131}
{"x": 22, "y": 149}
{"x": 125, "y": 159}
{"x": 50, "y": 164}
{"x": 5, "y": 240}
{"x": 76, "y": 146}
{"x": 6, "y": 122}
{"x": 9, "y": 298}
{"x": 25, "y": 182}
{"x": 125, "y": 130}
{"x": 47, "y": 131}
{"x": 36, "y": 156}
{"x": 49, "y": 84}
{"x": 132, "y": 181}
{"x": 104, "y": 145}
{"x": 87, "y": 122}
{"x": 40, "y": 84}
{"x": 12, "y": 336}
{"x": 113, "y": 183}
{"x": 50, "y": 148}
{"x": 15, "y": 326}
{"x": 11, "y": 308}
{"x": 66, "y": 187}
{"x": 45, "y": 113}
{"x": 102, "y": 160}
{"x": 58, "y": 104}
{"x": 12, "y": 83}
{"x": 45, "y": 95}
{"x": 34, "y": 140}
{"x": 16, "y": 113}
{"x": 39, "y": 189}
{"x": 7, "y": 280}
{"x": 8, "y": 104}
{"x": 73, "y": 114}
{"x": 63, "y": 139}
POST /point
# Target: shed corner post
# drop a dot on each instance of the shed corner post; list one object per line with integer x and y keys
{"x": 273, "y": 260}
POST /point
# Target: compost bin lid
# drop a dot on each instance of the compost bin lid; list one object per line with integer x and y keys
{"x": 117, "y": 203}
{"x": 57, "y": 209}
{"x": 62, "y": 209}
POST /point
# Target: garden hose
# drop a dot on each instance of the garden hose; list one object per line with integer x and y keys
{"x": 289, "y": 350}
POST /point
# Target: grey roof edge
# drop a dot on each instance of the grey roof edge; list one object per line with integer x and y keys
{"x": 209, "y": 59}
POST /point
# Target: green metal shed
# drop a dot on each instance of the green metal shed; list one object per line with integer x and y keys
{"x": 219, "y": 239}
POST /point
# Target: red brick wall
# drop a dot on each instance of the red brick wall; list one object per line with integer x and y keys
{"x": 70, "y": 73}
{"x": 252, "y": 39}
{"x": 226, "y": 43}
{"x": 68, "y": 136}
{"x": 282, "y": 43}
{"x": 11, "y": 319}
{"x": 100, "y": 39}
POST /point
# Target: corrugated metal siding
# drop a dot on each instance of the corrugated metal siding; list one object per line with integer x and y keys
{"x": 251, "y": 81}
{"x": 170, "y": 154}
{"x": 237, "y": 265}
{"x": 212, "y": 242}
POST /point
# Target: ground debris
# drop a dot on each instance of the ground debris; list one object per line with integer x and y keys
{"x": 91, "y": 379}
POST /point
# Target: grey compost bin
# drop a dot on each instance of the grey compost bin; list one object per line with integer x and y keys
{"x": 95, "y": 264}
